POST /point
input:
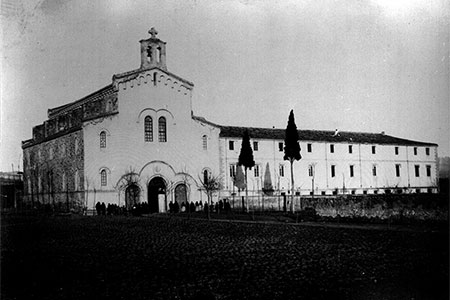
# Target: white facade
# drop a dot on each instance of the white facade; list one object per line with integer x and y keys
{"x": 180, "y": 159}
{"x": 358, "y": 172}
{"x": 122, "y": 134}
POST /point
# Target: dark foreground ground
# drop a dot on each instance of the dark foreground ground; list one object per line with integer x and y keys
{"x": 76, "y": 257}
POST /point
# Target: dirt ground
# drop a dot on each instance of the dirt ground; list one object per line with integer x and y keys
{"x": 73, "y": 257}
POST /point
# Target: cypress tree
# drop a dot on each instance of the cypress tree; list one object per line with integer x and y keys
{"x": 292, "y": 150}
{"x": 267, "y": 186}
{"x": 246, "y": 158}
{"x": 239, "y": 180}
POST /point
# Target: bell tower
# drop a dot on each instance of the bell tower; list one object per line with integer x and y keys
{"x": 153, "y": 52}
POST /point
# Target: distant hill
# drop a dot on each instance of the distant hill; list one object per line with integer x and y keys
{"x": 444, "y": 167}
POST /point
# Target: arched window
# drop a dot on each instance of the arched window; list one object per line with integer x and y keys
{"x": 162, "y": 129}
{"x": 103, "y": 178}
{"x": 148, "y": 129}
{"x": 154, "y": 78}
{"x": 205, "y": 142}
{"x": 158, "y": 54}
{"x": 205, "y": 176}
{"x": 149, "y": 54}
{"x": 102, "y": 139}
{"x": 311, "y": 170}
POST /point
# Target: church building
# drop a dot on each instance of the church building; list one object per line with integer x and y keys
{"x": 137, "y": 140}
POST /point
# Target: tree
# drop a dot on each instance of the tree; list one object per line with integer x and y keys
{"x": 267, "y": 185}
{"x": 239, "y": 181}
{"x": 292, "y": 150}
{"x": 246, "y": 159}
{"x": 211, "y": 184}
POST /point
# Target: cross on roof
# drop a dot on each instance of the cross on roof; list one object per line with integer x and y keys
{"x": 153, "y": 32}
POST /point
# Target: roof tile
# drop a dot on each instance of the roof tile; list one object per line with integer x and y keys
{"x": 314, "y": 135}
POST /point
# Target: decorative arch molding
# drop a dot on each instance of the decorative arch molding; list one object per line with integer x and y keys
{"x": 167, "y": 112}
{"x": 154, "y": 113}
{"x": 182, "y": 176}
{"x": 103, "y": 129}
{"x": 133, "y": 80}
{"x": 108, "y": 171}
{"x": 122, "y": 185}
{"x": 181, "y": 182}
{"x": 163, "y": 177}
{"x": 157, "y": 168}
{"x": 147, "y": 78}
{"x": 146, "y": 112}
{"x": 185, "y": 174}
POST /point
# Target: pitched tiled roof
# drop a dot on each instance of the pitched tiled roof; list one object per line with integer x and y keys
{"x": 109, "y": 89}
{"x": 203, "y": 120}
{"x": 314, "y": 135}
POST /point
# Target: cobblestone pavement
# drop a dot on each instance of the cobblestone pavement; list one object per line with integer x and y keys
{"x": 173, "y": 258}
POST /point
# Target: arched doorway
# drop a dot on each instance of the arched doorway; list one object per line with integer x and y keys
{"x": 181, "y": 193}
{"x": 157, "y": 195}
{"x": 131, "y": 196}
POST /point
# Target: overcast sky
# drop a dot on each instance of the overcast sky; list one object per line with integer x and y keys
{"x": 367, "y": 65}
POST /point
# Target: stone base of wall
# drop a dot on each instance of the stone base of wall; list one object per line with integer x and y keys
{"x": 379, "y": 207}
{"x": 382, "y": 207}
{"x": 67, "y": 202}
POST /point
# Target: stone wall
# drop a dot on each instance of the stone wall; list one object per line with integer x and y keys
{"x": 54, "y": 172}
{"x": 383, "y": 207}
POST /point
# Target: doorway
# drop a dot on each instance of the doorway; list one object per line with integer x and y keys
{"x": 181, "y": 193}
{"x": 157, "y": 195}
{"x": 131, "y": 196}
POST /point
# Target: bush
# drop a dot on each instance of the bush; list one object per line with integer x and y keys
{"x": 308, "y": 214}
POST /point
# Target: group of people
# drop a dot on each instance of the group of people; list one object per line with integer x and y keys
{"x": 111, "y": 209}
{"x": 140, "y": 208}
{"x": 174, "y": 207}
{"x": 220, "y": 206}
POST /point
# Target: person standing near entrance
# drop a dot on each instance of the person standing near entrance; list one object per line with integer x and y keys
{"x": 98, "y": 208}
